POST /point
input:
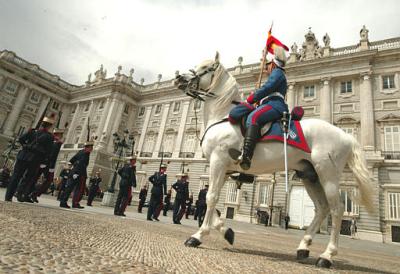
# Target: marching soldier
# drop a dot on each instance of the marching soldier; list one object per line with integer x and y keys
{"x": 77, "y": 178}
{"x": 142, "y": 198}
{"x": 182, "y": 194}
{"x": 202, "y": 205}
{"x": 128, "y": 180}
{"x": 189, "y": 203}
{"x": 48, "y": 170}
{"x": 64, "y": 175}
{"x": 94, "y": 185}
{"x": 159, "y": 181}
{"x": 167, "y": 202}
{"x": 36, "y": 146}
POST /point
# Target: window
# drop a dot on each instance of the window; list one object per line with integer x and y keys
{"x": 349, "y": 130}
{"x": 149, "y": 143}
{"x": 158, "y": 109}
{"x": 86, "y": 107}
{"x": 350, "y": 207}
{"x": 394, "y": 205}
{"x": 309, "y": 92}
{"x": 190, "y": 142}
{"x": 34, "y": 97}
{"x": 141, "y": 111}
{"x": 56, "y": 106}
{"x": 126, "y": 109}
{"x": 74, "y": 109}
{"x": 388, "y": 81}
{"x": 346, "y": 87}
{"x": 11, "y": 87}
{"x": 177, "y": 106}
{"x": 392, "y": 138}
{"x": 231, "y": 193}
{"x": 169, "y": 142}
{"x": 101, "y": 106}
{"x": 264, "y": 194}
{"x": 197, "y": 105}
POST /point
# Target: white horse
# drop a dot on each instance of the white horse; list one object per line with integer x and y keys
{"x": 320, "y": 170}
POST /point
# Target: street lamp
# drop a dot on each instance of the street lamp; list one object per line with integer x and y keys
{"x": 122, "y": 144}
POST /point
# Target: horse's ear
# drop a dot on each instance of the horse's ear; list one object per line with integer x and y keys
{"x": 217, "y": 57}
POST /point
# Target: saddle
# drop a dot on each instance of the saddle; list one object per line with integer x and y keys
{"x": 274, "y": 131}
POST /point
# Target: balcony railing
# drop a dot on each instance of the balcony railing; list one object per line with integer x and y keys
{"x": 146, "y": 154}
{"x": 186, "y": 154}
{"x": 391, "y": 155}
{"x": 166, "y": 154}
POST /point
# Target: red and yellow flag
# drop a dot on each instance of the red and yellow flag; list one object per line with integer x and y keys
{"x": 272, "y": 42}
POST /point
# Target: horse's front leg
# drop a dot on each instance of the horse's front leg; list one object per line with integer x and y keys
{"x": 212, "y": 219}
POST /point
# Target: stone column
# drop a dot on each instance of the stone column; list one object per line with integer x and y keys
{"x": 181, "y": 129}
{"x": 367, "y": 113}
{"x": 115, "y": 122}
{"x": 103, "y": 118}
{"x": 12, "y": 118}
{"x": 325, "y": 108}
{"x": 162, "y": 129}
{"x": 144, "y": 128}
{"x": 71, "y": 128}
{"x": 41, "y": 108}
{"x": 83, "y": 137}
{"x": 290, "y": 96}
{"x": 65, "y": 112}
{"x": 105, "y": 130}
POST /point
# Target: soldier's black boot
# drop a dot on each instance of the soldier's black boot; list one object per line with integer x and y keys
{"x": 252, "y": 134}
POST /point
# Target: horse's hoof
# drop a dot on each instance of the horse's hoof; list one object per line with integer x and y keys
{"x": 229, "y": 236}
{"x": 192, "y": 242}
{"x": 303, "y": 254}
{"x": 324, "y": 263}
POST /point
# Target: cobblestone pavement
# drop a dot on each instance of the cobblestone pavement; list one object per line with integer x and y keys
{"x": 43, "y": 238}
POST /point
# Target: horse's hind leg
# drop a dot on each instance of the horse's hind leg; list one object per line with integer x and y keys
{"x": 331, "y": 188}
{"x": 212, "y": 219}
{"x": 317, "y": 195}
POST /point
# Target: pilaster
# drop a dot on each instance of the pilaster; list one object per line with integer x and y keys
{"x": 178, "y": 144}
{"x": 144, "y": 128}
{"x": 325, "y": 101}
{"x": 291, "y": 96}
{"x": 367, "y": 113}
{"x": 162, "y": 129}
{"x": 13, "y": 116}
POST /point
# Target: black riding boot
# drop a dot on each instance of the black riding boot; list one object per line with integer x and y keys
{"x": 252, "y": 134}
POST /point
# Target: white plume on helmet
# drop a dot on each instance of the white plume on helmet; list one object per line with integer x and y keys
{"x": 279, "y": 57}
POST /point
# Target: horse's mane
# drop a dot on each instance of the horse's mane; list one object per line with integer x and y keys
{"x": 226, "y": 89}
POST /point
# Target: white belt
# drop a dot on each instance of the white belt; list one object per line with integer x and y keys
{"x": 274, "y": 94}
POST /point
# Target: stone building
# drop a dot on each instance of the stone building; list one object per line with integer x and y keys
{"x": 355, "y": 87}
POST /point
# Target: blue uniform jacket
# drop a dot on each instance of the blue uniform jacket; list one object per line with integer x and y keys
{"x": 276, "y": 83}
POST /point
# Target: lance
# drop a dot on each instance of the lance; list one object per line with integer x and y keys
{"x": 88, "y": 129}
{"x": 162, "y": 158}
{"x": 264, "y": 58}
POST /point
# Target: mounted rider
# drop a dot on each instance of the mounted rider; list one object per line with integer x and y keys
{"x": 271, "y": 105}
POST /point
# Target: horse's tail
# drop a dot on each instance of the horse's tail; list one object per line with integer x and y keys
{"x": 357, "y": 164}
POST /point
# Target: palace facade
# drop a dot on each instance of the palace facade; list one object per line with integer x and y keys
{"x": 355, "y": 88}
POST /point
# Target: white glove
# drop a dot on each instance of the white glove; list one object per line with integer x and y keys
{"x": 42, "y": 166}
{"x": 75, "y": 176}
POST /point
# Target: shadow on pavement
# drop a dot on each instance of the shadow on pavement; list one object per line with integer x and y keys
{"x": 337, "y": 265}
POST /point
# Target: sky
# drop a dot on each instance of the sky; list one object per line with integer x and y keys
{"x": 72, "y": 38}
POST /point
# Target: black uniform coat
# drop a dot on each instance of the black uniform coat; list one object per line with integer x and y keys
{"x": 202, "y": 197}
{"x": 94, "y": 184}
{"x": 128, "y": 177}
{"x": 80, "y": 161}
{"x": 36, "y": 145}
{"x": 182, "y": 190}
{"x": 159, "y": 182}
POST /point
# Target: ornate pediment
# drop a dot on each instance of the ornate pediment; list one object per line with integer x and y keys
{"x": 346, "y": 120}
{"x": 388, "y": 118}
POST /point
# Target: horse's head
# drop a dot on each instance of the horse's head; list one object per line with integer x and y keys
{"x": 199, "y": 81}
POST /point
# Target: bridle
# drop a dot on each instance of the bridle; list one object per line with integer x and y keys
{"x": 193, "y": 84}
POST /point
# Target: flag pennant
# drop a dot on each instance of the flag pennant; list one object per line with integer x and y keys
{"x": 272, "y": 42}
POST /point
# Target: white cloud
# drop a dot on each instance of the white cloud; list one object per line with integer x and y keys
{"x": 72, "y": 38}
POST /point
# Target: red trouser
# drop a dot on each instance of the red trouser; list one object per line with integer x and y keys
{"x": 125, "y": 201}
{"x": 158, "y": 209}
{"x": 78, "y": 192}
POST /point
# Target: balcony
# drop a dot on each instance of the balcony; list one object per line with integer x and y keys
{"x": 165, "y": 154}
{"x": 146, "y": 154}
{"x": 391, "y": 155}
{"x": 186, "y": 154}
